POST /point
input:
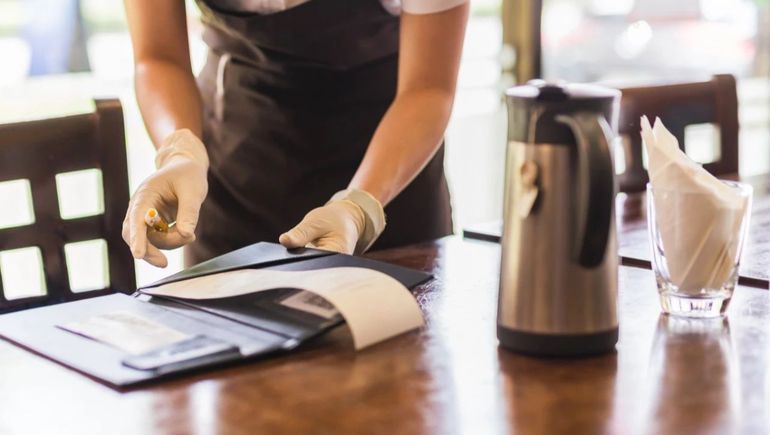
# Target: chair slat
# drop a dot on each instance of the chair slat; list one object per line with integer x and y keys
{"x": 37, "y": 151}
{"x": 680, "y": 105}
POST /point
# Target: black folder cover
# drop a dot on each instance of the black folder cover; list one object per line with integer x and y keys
{"x": 250, "y": 325}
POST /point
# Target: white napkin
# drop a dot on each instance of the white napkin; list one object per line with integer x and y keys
{"x": 699, "y": 217}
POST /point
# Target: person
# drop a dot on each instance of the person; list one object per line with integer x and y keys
{"x": 327, "y": 115}
{"x": 57, "y": 39}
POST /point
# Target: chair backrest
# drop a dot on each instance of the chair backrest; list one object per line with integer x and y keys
{"x": 41, "y": 155}
{"x": 679, "y": 106}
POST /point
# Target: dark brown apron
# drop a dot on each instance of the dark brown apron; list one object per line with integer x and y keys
{"x": 291, "y": 101}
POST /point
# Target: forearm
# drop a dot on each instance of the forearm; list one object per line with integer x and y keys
{"x": 412, "y": 129}
{"x": 406, "y": 139}
{"x": 168, "y": 98}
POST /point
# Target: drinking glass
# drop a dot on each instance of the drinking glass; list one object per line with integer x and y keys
{"x": 697, "y": 239}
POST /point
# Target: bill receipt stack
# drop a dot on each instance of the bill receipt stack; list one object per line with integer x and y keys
{"x": 699, "y": 217}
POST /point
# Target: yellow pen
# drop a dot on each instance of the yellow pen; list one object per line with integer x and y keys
{"x": 154, "y": 220}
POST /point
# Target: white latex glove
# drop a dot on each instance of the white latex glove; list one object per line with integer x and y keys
{"x": 177, "y": 190}
{"x": 349, "y": 223}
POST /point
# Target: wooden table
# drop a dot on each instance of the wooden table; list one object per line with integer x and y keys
{"x": 668, "y": 376}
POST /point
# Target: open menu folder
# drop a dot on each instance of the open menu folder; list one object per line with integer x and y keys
{"x": 258, "y": 300}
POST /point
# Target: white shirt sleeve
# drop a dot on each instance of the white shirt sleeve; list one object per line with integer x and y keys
{"x": 429, "y": 6}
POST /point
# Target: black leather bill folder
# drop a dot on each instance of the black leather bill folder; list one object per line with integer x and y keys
{"x": 219, "y": 330}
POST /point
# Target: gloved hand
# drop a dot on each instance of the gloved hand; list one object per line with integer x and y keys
{"x": 349, "y": 223}
{"x": 177, "y": 190}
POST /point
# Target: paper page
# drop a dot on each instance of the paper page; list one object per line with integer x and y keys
{"x": 126, "y": 331}
{"x": 375, "y": 305}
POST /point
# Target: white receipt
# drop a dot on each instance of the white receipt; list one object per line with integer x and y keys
{"x": 126, "y": 331}
{"x": 375, "y": 305}
{"x": 311, "y": 303}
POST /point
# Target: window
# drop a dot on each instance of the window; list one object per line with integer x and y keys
{"x": 647, "y": 41}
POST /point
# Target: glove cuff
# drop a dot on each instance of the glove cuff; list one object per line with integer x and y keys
{"x": 374, "y": 215}
{"x": 181, "y": 143}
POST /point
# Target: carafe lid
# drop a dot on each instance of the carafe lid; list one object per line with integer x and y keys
{"x": 532, "y": 109}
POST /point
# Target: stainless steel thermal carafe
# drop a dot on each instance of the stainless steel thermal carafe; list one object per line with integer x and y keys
{"x": 558, "y": 275}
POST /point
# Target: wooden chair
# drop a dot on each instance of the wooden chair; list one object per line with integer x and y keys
{"x": 39, "y": 150}
{"x": 678, "y": 106}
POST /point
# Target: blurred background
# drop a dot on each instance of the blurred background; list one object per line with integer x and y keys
{"x": 59, "y": 54}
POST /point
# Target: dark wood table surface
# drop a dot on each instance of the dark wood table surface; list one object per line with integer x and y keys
{"x": 668, "y": 376}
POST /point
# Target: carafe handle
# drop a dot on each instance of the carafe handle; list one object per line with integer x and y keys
{"x": 595, "y": 186}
